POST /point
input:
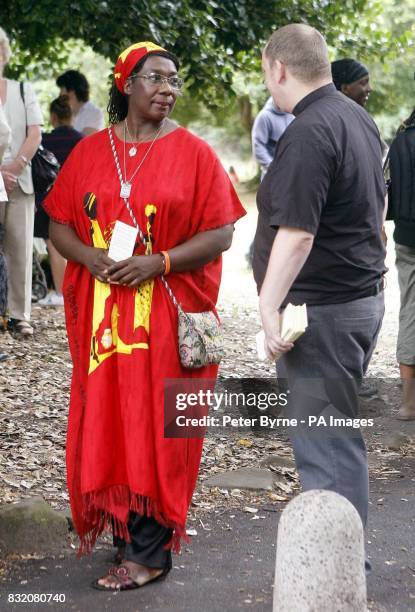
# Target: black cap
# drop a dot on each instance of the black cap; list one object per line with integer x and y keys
{"x": 347, "y": 71}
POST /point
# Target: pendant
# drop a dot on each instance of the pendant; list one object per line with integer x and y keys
{"x": 125, "y": 190}
{"x": 132, "y": 151}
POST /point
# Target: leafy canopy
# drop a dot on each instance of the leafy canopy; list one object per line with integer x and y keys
{"x": 212, "y": 38}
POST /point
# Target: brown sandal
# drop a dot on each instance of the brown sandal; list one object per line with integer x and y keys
{"x": 125, "y": 582}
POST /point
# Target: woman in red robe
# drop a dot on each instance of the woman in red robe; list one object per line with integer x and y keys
{"x": 122, "y": 325}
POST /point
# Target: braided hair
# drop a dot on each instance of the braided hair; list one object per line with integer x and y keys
{"x": 409, "y": 121}
{"x": 118, "y": 102}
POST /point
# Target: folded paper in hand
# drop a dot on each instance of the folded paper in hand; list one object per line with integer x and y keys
{"x": 123, "y": 241}
{"x": 293, "y": 324}
{"x": 3, "y": 192}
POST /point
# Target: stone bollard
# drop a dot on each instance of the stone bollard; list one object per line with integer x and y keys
{"x": 32, "y": 526}
{"x": 320, "y": 556}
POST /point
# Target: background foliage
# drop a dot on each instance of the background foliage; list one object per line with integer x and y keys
{"x": 212, "y": 38}
{"x": 219, "y": 44}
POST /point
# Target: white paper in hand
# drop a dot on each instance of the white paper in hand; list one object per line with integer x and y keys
{"x": 3, "y": 192}
{"x": 123, "y": 241}
{"x": 293, "y": 324}
{"x": 260, "y": 346}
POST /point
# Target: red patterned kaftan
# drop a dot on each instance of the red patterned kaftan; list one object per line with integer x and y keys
{"x": 123, "y": 341}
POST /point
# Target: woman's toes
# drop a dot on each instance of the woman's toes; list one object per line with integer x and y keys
{"x": 109, "y": 582}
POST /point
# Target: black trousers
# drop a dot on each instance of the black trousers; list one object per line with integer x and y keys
{"x": 148, "y": 539}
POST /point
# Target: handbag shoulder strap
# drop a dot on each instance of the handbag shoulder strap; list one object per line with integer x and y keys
{"x": 386, "y": 164}
{"x": 143, "y": 240}
{"x": 21, "y": 87}
{"x": 137, "y": 225}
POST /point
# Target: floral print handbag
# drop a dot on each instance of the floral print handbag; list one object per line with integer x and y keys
{"x": 200, "y": 339}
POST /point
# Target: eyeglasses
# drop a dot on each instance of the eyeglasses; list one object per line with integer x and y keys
{"x": 156, "y": 79}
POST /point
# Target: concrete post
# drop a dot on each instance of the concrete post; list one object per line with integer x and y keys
{"x": 320, "y": 556}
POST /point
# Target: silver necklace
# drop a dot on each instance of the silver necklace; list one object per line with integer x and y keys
{"x": 132, "y": 150}
{"x": 125, "y": 183}
{"x": 126, "y": 186}
{"x": 133, "y": 218}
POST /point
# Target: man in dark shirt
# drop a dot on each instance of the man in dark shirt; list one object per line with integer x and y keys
{"x": 325, "y": 179}
{"x": 318, "y": 241}
{"x": 352, "y": 79}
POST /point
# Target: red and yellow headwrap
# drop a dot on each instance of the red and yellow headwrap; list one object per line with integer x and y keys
{"x": 128, "y": 59}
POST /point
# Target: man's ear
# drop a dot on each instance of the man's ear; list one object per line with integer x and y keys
{"x": 280, "y": 71}
{"x": 344, "y": 89}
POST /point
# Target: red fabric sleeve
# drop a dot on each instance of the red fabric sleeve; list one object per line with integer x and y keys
{"x": 216, "y": 203}
{"x": 59, "y": 203}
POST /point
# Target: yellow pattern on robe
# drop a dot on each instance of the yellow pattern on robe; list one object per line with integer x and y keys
{"x": 102, "y": 291}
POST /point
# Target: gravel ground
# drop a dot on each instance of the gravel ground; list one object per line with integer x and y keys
{"x": 34, "y": 389}
{"x": 34, "y": 385}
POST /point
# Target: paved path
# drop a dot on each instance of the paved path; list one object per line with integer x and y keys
{"x": 229, "y": 565}
{"x": 230, "y": 568}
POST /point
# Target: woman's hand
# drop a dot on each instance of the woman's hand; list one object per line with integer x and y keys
{"x": 133, "y": 271}
{"x": 10, "y": 181}
{"x": 14, "y": 167}
{"x": 98, "y": 263}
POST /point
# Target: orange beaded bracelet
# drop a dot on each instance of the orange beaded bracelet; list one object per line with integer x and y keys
{"x": 167, "y": 263}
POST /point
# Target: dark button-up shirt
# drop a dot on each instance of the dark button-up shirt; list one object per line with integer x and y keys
{"x": 326, "y": 178}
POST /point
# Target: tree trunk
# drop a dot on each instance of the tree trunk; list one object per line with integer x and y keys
{"x": 245, "y": 113}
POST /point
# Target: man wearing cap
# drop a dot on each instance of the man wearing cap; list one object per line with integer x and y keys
{"x": 352, "y": 78}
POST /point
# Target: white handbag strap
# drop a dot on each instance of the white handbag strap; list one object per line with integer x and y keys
{"x": 134, "y": 220}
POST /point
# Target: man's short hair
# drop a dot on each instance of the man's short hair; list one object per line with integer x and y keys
{"x": 75, "y": 81}
{"x": 302, "y": 49}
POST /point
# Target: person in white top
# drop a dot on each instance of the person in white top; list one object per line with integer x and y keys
{"x": 4, "y": 132}
{"x": 88, "y": 118}
{"x": 4, "y": 142}
{"x": 24, "y": 118}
